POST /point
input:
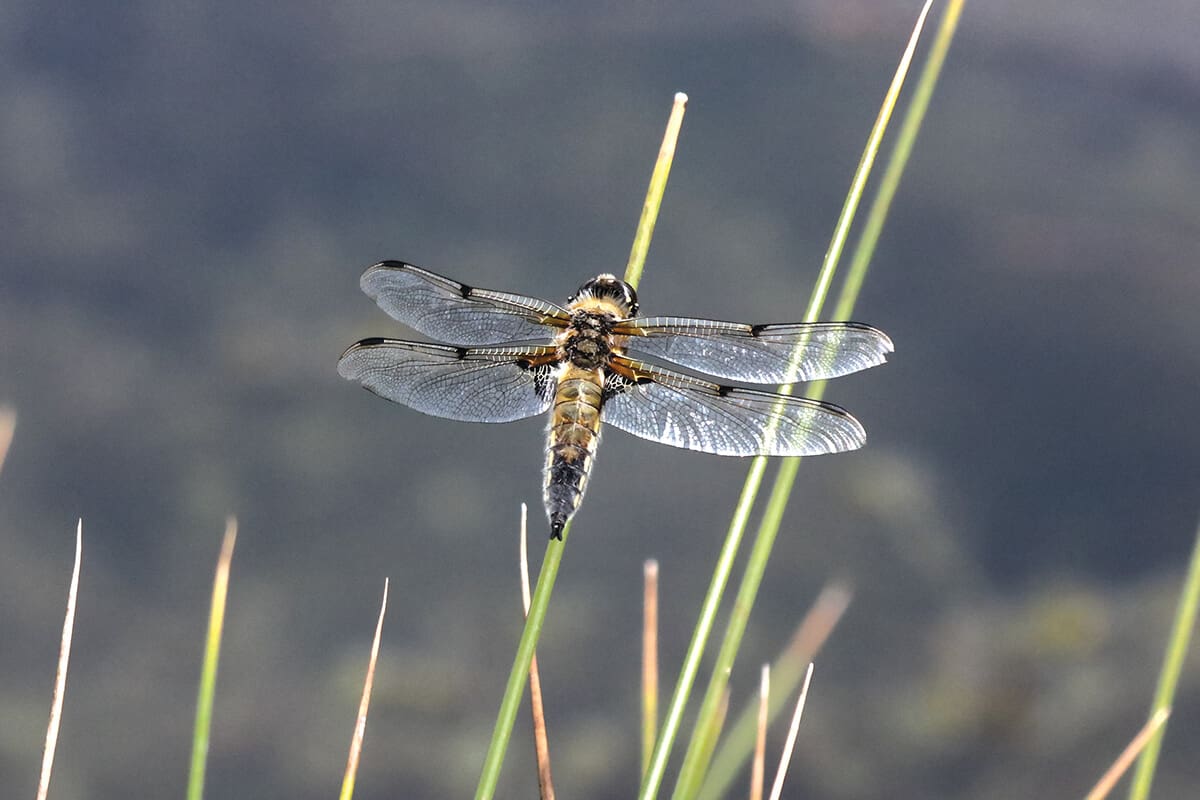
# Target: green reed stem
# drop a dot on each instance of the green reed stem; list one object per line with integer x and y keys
{"x": 1168, "y": 678}
{"x": 694, "y": 769}
{"x": 208, "y": 672}
{"x": 518, "y": 676}
{"x": 654, "y": 194}
{"x": 708, "y": 612}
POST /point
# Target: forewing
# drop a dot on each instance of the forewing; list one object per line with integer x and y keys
{"x": 457, "y": 314}
{"x": 759, "y": 353}
{"x": 682, "y": 411}
{"x": 497, "y": 384}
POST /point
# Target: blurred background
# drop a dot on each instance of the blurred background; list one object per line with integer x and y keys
{"x": 190, "y": 191}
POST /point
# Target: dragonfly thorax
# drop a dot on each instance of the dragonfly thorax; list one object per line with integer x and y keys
{"x": 587, "y": 343}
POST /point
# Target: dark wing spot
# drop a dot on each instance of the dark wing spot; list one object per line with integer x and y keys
{"x": 371, "y": 341}
{"x": 462, "y": 353}
{"x": 723, "y": 391}
{"x": 755, "y": 330}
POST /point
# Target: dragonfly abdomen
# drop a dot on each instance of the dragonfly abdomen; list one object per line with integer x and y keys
{"x": 574, "y": 434}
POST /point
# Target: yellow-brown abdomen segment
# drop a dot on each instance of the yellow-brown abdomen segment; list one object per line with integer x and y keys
{"x": 574, "y": 433}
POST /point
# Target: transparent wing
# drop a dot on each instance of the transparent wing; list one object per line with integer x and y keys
{"x": 498, "y": 384}
{"x": 457, "y": 314}
{"x": 759, "y": 353}
{"x": 682, "y": 411}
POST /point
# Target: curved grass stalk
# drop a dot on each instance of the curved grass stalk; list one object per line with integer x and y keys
{"x": 785, "y": 758}
{"x": 695, "y": 766}
{"x": 64, "y": 661}
{"x": 8, "y": 423}
{"x": 708, "y": 612}
{"x": 844, "y": 308}
{"x": 649, "y": 660}
{"x": 534, "y": 621}
{"x": 654, "y": 194}
{"x": 1114, "y": 773}
{"x": 364, "y": 704}
{"x": 1168, "y": 679}
{"x": 541, "y": 741}
{"x": 208, "y": 672}
{"x": 787, "y": 673}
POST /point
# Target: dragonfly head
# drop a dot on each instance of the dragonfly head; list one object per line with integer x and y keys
{"x": 607, "y": 293}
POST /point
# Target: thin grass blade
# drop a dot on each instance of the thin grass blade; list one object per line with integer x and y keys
{"x": 649, "y": 660}
{"x": 708, "y": 736}
{"x": 541, "y": 742}
{"x": 1113, "y": 774}
{"x": 489, "y": 776}
{"x": 654, "y": 194}
{"x": 64, "y": 660}
{"x": 758, "y": 765}
{"x": 694, "y": 768}
{"x": 8, "y": 425}
{"x": 787, "y": 673}
{"x": 786, "y": 758}
{"x": 208, "y": 671}
{"x": 360, "y": 722}
{"x": 652, "y": 780}
{"x": 910, "y": 127}
{"x": 1168, "y": 678}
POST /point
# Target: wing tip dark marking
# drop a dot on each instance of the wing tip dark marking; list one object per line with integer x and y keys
{"x": 382, "y": 341}
{"x": 370, "y": 341}
{"x": 380, "y": 266}
{"x": 838, "y": 411}
{"x": 833, "y": 408}
{"x": 364, "y": 280}
{"x": 346, "y": 368}
{"x": 888, "y": 345}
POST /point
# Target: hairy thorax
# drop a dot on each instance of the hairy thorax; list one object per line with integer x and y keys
{"x": 588, "y": 342}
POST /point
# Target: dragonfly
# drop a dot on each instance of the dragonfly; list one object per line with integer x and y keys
{"x": 501, "y": 357}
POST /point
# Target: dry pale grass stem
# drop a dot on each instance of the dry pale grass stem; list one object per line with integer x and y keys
{"x": 1109, "y": 779}
{"x": 786, "y": 757}
{"x": 64, "y": 658}
{"x": 758, "y": 765}
{"x": 649, "y": 659}
{"x": 8, "y": 424}
{"x": 360, "y": 723}
{"x": 541, "y": 743}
